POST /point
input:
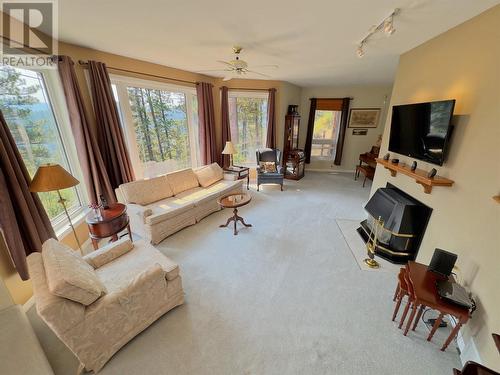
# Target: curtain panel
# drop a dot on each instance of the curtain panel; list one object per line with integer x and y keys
{"x": 93, "y": 167}
{"x": 206, "y": 122}
{"x": 110, "y": 135}
{"x": 226, "y": 126}
{"x": 271, "y": 119}
{"x": 342, "y": 131}
{"x": 24, "y": 224}
{"x": 310, "y": 131}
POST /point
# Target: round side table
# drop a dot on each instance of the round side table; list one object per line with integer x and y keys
{"x": 234, "y": 201}
{"x": 112, "y": 221}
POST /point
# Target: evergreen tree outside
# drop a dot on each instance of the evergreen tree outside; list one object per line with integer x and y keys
{"x": 28, "y": 113}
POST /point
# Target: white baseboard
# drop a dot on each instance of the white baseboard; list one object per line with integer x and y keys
{"x": 466, "y": 345}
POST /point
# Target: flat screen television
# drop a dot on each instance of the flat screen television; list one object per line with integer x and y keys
{"x": 422, "y": 130}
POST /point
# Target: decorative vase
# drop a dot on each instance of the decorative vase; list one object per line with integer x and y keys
{"x": 97, "y": 214}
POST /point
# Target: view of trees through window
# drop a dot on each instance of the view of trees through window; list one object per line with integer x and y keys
{"x": 325, "y": 133}
{"x": 27, "y": 110}
{"x": 248, "y": 121}
{"x": 161, "y": 129}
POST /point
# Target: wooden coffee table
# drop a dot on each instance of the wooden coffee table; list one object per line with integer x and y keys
{"x": 234, "y": 201}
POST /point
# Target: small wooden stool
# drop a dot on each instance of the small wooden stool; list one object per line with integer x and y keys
{"x": 367, "y": 171}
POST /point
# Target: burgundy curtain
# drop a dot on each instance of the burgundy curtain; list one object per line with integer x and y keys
{"x": 94, "y": 170}
{"x": 271, "y": 119}
{"x": 109, "y": 131}
{"x": 342, "y": 131}
{"x": 226, "y": 126}
{"x": 206, "y": 121}
{"x": 310, "y": 131}
{"x": 23, "y": 221}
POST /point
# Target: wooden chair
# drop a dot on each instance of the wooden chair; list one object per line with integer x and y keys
{"x": 367, "y": 171}
{"x": 400, "y": 293}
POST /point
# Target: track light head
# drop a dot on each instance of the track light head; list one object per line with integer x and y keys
{"x": 389, "y": 26}
{"x": 359, "y": 51}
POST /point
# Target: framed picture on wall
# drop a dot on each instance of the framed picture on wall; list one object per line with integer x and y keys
{"x": 364, "y": 117}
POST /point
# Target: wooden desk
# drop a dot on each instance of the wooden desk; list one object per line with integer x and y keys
{"x": 426, "y": 294}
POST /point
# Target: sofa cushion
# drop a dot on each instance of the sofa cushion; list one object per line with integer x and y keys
{"x": 209, "y": 174}
{"x": 182, "y": 180}
{"x": 197, "y": 195}
{"x": 167, "y": 209}
{"x": 117, "y": 274}
{"x": 144, "y": 192}
{"x": 69, "y": 275}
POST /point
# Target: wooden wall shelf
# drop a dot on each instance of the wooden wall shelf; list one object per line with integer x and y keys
{"x": 419, "y": 175}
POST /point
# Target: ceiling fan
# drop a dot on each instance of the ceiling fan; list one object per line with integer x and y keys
{"x": 237, "y": 68}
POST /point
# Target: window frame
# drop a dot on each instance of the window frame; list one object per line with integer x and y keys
{"x": 121, "y": 82}
{"x": 259, "y": 94}
{"x": 54, "y": 90}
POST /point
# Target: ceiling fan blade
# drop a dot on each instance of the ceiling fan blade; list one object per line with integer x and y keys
{"x": 260, "y": 74}
{"x": 274, "y": 66}
{"x": 226, "y": 63}
{"x": 214, "y": 70}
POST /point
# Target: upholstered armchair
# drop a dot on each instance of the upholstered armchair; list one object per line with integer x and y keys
{"x": 97, "y": 303}
{"x": 269, "y": 169}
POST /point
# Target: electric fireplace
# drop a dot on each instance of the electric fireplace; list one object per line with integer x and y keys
{"x": 403, "y": 221}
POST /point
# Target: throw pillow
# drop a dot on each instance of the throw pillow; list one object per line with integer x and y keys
{"x": 69, "y": 275}
{"x": 268, "y": 166}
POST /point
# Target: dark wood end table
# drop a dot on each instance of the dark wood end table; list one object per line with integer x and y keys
{"x": 234, "y": 201}
{"x": 241, "y": 172}
{"x": 114, "y": 219}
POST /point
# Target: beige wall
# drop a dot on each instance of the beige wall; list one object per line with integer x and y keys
{"x": 464, "y": 64}
{"x": 363, "y": 97}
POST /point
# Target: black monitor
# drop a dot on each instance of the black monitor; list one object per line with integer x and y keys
{"x": 442, "y": 262}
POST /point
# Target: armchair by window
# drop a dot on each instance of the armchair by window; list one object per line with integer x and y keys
{"x": 267, "y": 173}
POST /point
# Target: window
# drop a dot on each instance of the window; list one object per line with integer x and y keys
{"x": 160, "y": 123}
{"x": 326, "y": 125}
{"x": 248, "y": 121}
{"x": 26, "y": 101}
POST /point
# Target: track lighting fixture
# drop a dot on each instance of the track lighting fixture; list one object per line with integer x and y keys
{"x": 387, "y": 26}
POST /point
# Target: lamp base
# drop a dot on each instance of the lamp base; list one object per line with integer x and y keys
{"x": 372, "y": 263}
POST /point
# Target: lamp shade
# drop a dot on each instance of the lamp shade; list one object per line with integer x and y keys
{"x": 50, "y": 177}
{"x": 229, "y": 149}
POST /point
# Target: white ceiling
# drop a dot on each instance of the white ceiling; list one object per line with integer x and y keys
{"x": 313, "y": 41}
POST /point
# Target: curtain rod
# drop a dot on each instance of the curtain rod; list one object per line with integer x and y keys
{"x": 85, "y": 65}
{"x": 245, "y": 89}
{"x": 350, "y": 98}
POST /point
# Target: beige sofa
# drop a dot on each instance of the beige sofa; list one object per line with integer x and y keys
{"x": 161, "y": 206}
{"x": 97, "y": 303}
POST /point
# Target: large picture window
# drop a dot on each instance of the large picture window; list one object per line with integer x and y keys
{"x": 248, "y": 122}
{"x": 26, "y": 101}
{"x": 161, "y": 125}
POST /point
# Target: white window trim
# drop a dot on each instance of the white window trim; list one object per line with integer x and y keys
{"x": 121, "y": 83}
{"x": 55, "y": 92}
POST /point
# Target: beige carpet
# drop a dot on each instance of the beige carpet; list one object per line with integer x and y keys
{"x": 283, "y": 297}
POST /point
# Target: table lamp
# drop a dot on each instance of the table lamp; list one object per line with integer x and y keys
{"x": 53, "y": 177}
{"x": 229, "y": 150}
